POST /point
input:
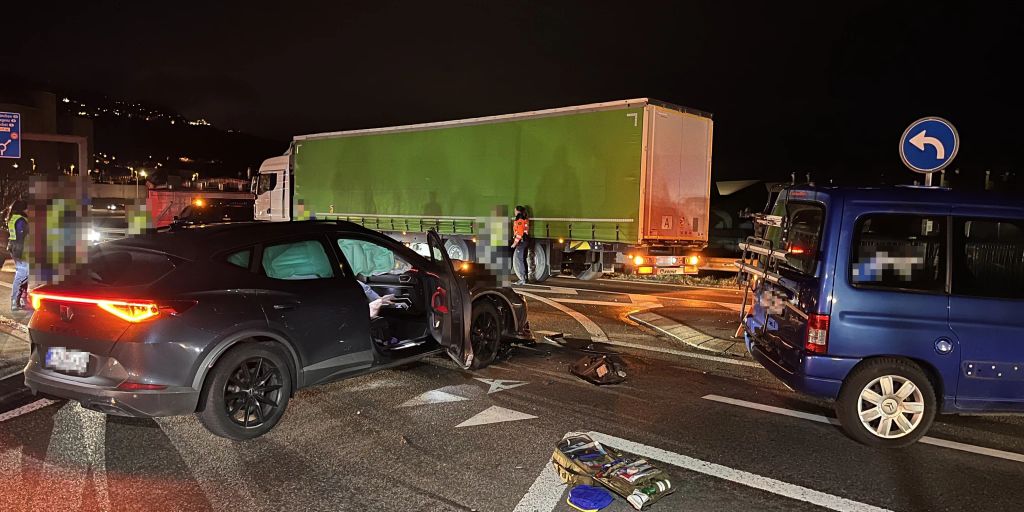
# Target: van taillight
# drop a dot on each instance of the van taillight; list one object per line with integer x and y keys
{"x": 817, "y": 334}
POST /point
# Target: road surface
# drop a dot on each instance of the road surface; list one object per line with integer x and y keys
{"x": 433, "y": 437}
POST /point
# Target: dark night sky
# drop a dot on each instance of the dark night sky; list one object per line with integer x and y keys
{"x": 792, "y": 87}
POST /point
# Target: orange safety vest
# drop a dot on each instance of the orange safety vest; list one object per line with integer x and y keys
{"x": 521, "y": 228}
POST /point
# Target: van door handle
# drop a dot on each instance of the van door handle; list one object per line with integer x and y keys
{"x": 286, "y": 306}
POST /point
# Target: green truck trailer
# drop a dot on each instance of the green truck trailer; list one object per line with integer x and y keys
{"x": 615, "y": 186}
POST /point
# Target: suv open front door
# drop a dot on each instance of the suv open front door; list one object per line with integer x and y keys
{"x": 450, "y": 305}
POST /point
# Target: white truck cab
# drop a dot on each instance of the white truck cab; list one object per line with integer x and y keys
{"x": 272, "y": 188}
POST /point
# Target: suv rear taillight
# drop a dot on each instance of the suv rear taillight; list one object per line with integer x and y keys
{"x": 133, "y": 311}
{"x": 817, "y": 334}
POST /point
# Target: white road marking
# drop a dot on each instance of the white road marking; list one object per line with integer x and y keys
{"x": 495, "y": 414}
{"x": 551, "y": 289}
{"x": 501, "y": 385}
{"x": 432, "y": 397}
{"x": 547, "y": 490}
{"x": 672, "y": 351}
{"x": 595, "y": 330}
{"x": 75, "y": 459}
{"x": 545, "y": 494}
{"x": 639, "y": 305}
{"x": 5, "y": 377}
{"x": 25, "y": 409}
{"x": 719, "y": 359}
{"x": 953, "y": 445}
{"x": 771, "y": 485}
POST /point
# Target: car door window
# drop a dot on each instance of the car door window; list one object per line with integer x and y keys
{"x": 240, "y": 258}
{"x": 899, "y": 252}
{"x": 370, "y": 259}
{"x": 301, "y": 260}
{"x": 988, "y": 258}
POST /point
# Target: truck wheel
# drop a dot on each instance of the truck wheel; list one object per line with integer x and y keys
{"x": 485, "y": 333}
{"x": 541, "y": 263}
{"x": 459, "y": 249}
{"x": 886, "y": 403}
{"x": 246, "y": 392}
{"x": 592, "y": 272}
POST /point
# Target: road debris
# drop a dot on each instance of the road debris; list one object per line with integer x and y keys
{"x": 600, "y": 369}
{"x": 581, "y": 461}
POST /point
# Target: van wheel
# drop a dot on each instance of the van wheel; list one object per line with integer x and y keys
{"x": 886, "y": 403}
{"x": 246, "y": 392}
{"x": 485, "y": 334}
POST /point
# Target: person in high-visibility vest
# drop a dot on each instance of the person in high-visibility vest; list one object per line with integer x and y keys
{"x": 521, "y": 244}
{"x": 17, "y": 226}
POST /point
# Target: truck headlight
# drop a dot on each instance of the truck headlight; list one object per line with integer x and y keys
{"x": 693, "y": 260}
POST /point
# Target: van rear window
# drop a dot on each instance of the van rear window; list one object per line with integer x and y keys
{"x": 121, "y": 267}
{"x": 804, "y": 236}
{"x": 900, "y": 252}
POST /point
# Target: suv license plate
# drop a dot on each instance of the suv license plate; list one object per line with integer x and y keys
{"x": 66, "y": 360}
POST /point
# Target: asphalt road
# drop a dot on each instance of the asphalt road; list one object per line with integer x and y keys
{"x": 434, "y": 437}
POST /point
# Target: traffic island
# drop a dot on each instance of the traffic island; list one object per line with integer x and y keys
{"x": 709, "y": 338}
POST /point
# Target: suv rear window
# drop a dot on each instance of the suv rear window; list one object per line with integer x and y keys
{"x": 900, "y": 252}
{"x": 120, "y": 267}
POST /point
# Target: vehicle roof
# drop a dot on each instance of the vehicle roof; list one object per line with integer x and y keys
{"x": 200, "y": 242}
{"x": 918, "y": 195}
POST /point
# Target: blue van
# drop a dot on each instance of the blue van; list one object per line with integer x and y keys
{"x": 897, "y": 303}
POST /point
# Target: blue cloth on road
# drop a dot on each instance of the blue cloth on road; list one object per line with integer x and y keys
{"x": 587, "y": 497}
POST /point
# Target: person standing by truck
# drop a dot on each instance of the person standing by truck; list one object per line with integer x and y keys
{"x": 17, "y": 225}
{"x": 521, "y": 244}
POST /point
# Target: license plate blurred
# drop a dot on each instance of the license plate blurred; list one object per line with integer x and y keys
{"x": 60, "y": 358}
{"x": 669, "y": 271}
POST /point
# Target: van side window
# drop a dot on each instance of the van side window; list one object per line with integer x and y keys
{"x": 988, "y": 258}
{"x": 900, "y": 252}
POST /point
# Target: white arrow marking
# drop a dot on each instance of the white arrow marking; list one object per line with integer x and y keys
{"x": 433, "y": 397}
{"x": 495, "y": 414}
{"x": 921, "y": 139}
{"x": 501, "y": 385}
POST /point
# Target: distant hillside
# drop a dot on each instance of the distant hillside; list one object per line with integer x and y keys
{"x": 140, "y": 135}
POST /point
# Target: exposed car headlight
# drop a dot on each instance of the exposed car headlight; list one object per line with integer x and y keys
{"x": 93, "y": 235}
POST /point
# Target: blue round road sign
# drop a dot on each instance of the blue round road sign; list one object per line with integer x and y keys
{"x": 929, "y": 144}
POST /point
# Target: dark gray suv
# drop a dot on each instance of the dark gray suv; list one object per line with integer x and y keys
{"x": 228, "y": 321}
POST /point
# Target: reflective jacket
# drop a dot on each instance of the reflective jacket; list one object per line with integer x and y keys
{"x": 17, "y": 227}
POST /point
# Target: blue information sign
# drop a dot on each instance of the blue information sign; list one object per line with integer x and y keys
{"x": 929, "y": 144}
{"x": 10, "y": 135}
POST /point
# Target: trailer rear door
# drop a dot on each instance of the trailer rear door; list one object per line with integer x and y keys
{"x": 677, "y": 176}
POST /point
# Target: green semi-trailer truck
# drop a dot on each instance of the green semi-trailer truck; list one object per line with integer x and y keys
{"x": 615, "y": 186}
